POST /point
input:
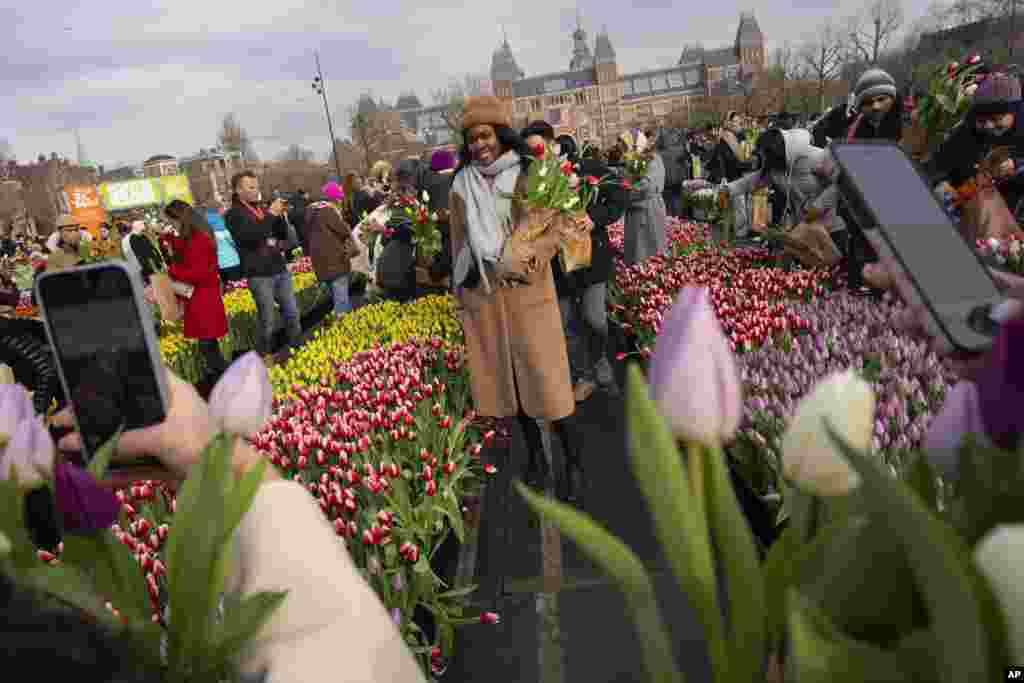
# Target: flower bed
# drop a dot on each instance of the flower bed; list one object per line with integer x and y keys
{"x": 361, "y": 330}
{"x": 182, "y": 354}
{"x": 790, "y": 330}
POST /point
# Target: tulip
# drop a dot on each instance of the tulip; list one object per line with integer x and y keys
{"x": 29, "y": 454}
{"x": 15, "y": 407}
{"x": 692, "y": 372}
{"x": 999, "y": 555}
{"x": 810, "y": 458}
{"x": 83, "y": 504}
{"x": 242, "y": 401}
{"x": 490, "y": 618}
{"x": 396, "y": 617}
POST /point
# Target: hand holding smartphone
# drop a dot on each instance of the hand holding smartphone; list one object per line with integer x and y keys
{"x": 943, "y": 276}
{"x": 107, "y": 353}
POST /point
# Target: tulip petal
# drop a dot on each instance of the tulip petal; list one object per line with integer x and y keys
{"x": 960, "y": 415}
{"x": 15, "y": 408}
{"x": 83, "y": 504}
{"x": 30, "y": 453}
{"x": 242, "y": 401}
{"x": 998, "y": 556}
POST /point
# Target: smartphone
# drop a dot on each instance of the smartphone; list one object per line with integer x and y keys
{"x": 108, "y": 356}
{"x": 886, "y": 194}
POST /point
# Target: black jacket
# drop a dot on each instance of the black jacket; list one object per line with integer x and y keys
{"x": 836, "y": 125}
{"x": 609, "y": 207}
{"x": 677, "y": 162}
{"x": 362, "y": 203}
{"x": 439, "y": 186}
{"x": 258, "y": 258}
{"x": 956, "y": 158}
{"x": 725, "y": 165}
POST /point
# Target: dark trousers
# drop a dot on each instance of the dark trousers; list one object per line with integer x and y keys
{"x": 859, "y": 252}
{"x": 209, "y": 350}
{"x": 673, "y": 201}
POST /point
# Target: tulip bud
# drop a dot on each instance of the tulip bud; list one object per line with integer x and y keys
{"x": 810, "y": 458}
{"x": 490, "y": 618}
{"x": 998, "y": 555}
{"x": 241, "y": 402}
{"x": 693, "y": 374}
{"x": 15, "y": 408}
{"x": 29, "y": 453}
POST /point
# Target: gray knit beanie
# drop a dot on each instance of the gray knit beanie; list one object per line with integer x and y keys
{"x": 872, "y": 83}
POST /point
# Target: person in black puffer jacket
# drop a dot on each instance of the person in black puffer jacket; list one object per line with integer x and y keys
{"x": 584, "y": 296}
{"x": 876, "y": 115}
{"x": 437, "y": 182}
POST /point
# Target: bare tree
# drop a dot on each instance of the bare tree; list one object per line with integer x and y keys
{"x": 234, "y": 138}
{"x": 368, "y": 135}
{"x": 5, "y": 150}
{"x": 873, "y": 28}
{"x": 822, "y": 56}
{"x": 296, "y": 153}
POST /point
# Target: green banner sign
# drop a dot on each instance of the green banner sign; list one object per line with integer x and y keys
{"x": 144, "y": 192}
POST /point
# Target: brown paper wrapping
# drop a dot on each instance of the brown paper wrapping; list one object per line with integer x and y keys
{"x": 760, "y": 210}
{"x": 170, "y": 307}
{"x": 986, "y": 215}
{"x": 812, "y": 245}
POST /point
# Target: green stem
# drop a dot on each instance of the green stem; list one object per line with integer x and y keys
{"x": 695, "y": 468}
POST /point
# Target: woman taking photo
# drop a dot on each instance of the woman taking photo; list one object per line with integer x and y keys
{"x": 195, "y": 263}
{"x": 509, "y": 311}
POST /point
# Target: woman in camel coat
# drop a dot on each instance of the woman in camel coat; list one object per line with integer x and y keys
{"x": 514, "y": 338}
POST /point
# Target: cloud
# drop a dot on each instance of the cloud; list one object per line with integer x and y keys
{"x": 156, "y": 77}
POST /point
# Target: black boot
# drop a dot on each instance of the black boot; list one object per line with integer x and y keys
{"x": 573, "y": 480}
{"x": 537, "y": 471}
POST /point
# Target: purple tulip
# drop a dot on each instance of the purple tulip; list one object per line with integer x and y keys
{"x": 396, "y": 616}
{"x": 84, "y": 505}
{"x": 693, "y": 374}
{"x": 242, "y": 401}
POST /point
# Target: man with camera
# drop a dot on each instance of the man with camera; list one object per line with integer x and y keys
{"x": 262, "y": 237}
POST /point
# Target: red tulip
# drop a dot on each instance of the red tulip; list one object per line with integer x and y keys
{"x": 490, "y": 618}
{"x": 539, "y": 151}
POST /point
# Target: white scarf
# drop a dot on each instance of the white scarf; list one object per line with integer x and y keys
{"x": 488, "y": 213}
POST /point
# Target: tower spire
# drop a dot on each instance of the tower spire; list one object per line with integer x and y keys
{"x": 504, "y": 36}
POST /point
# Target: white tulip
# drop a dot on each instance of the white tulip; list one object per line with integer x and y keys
{"x": 999, "y": 556}
{"x": 242, "y": 400}
{"x": 810, "y": 458}
{"x": 426, "y": 197}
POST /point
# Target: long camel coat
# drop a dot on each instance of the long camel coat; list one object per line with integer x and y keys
{"x": 514, "y": 336}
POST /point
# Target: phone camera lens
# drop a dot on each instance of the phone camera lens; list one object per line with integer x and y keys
{"x": 980, "y": 320}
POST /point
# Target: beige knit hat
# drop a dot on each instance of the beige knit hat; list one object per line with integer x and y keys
{"x": 486, "y": 109}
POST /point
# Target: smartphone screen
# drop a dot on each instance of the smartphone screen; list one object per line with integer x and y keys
{"x": 918, "y": 229}
{"x": 97, "y": 331}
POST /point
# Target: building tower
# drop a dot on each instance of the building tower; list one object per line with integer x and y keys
{"x": 581, "y": 57}
{"x": 750, "y": 42}
{"x": 504, "y": 70}
{"x": 605, "y": 68}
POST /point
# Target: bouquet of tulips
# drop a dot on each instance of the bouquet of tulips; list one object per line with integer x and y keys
{"x": 555, "y": 202}
{"x": 947, "y": 100}
{"x": 425, "y": 235}
{"x": 1007, "y": 253}
{"x": 166, "y": 595}
{"x": 875, "y": 577}
{"x": 637, "y": 157}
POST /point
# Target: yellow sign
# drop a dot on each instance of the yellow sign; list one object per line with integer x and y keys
{"x": 175, "y": 187}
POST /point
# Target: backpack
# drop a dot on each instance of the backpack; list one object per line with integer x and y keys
{"x": 396, "y": 265}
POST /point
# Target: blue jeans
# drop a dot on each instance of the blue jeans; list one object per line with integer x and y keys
{"x": 339, "y": 292}
{"x": 266, "y": 291}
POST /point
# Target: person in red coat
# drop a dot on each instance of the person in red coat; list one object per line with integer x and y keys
{"x": 195, "y": 263}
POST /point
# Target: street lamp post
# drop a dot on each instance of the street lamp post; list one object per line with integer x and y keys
{"x": 320, "y": 86}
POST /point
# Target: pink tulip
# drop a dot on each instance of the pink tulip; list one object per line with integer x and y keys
{"x": 242, "y": 401}
{"x": 693, "y": 374}
{"x": 29, "y": 453}
{"x": 15, "y": 407}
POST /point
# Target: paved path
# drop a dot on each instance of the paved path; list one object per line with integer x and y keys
{"x": 580, "y": 634}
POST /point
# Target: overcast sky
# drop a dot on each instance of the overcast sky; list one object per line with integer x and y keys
{"x": 156, "y": 77}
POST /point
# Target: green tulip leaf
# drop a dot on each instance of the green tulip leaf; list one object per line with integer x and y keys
{"x": 243, "y": 621}
{"x": 67, "y": 584}
{"x": 679, "y": 517}
{"x": 100, "y": 462}
{"x": 942, "y": 576}
{"x": 113, "y": 571}
{"x": 990, "y": 489}
{"x": 625, "y": 568}
{"x": 741, "y": 568}
{"x": 12, "y": 524}
{"x": 822, "y": 654}
{"x": 921, "y": 478}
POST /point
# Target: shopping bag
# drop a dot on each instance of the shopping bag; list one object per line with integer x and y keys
{"x": 166, "y": 300}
